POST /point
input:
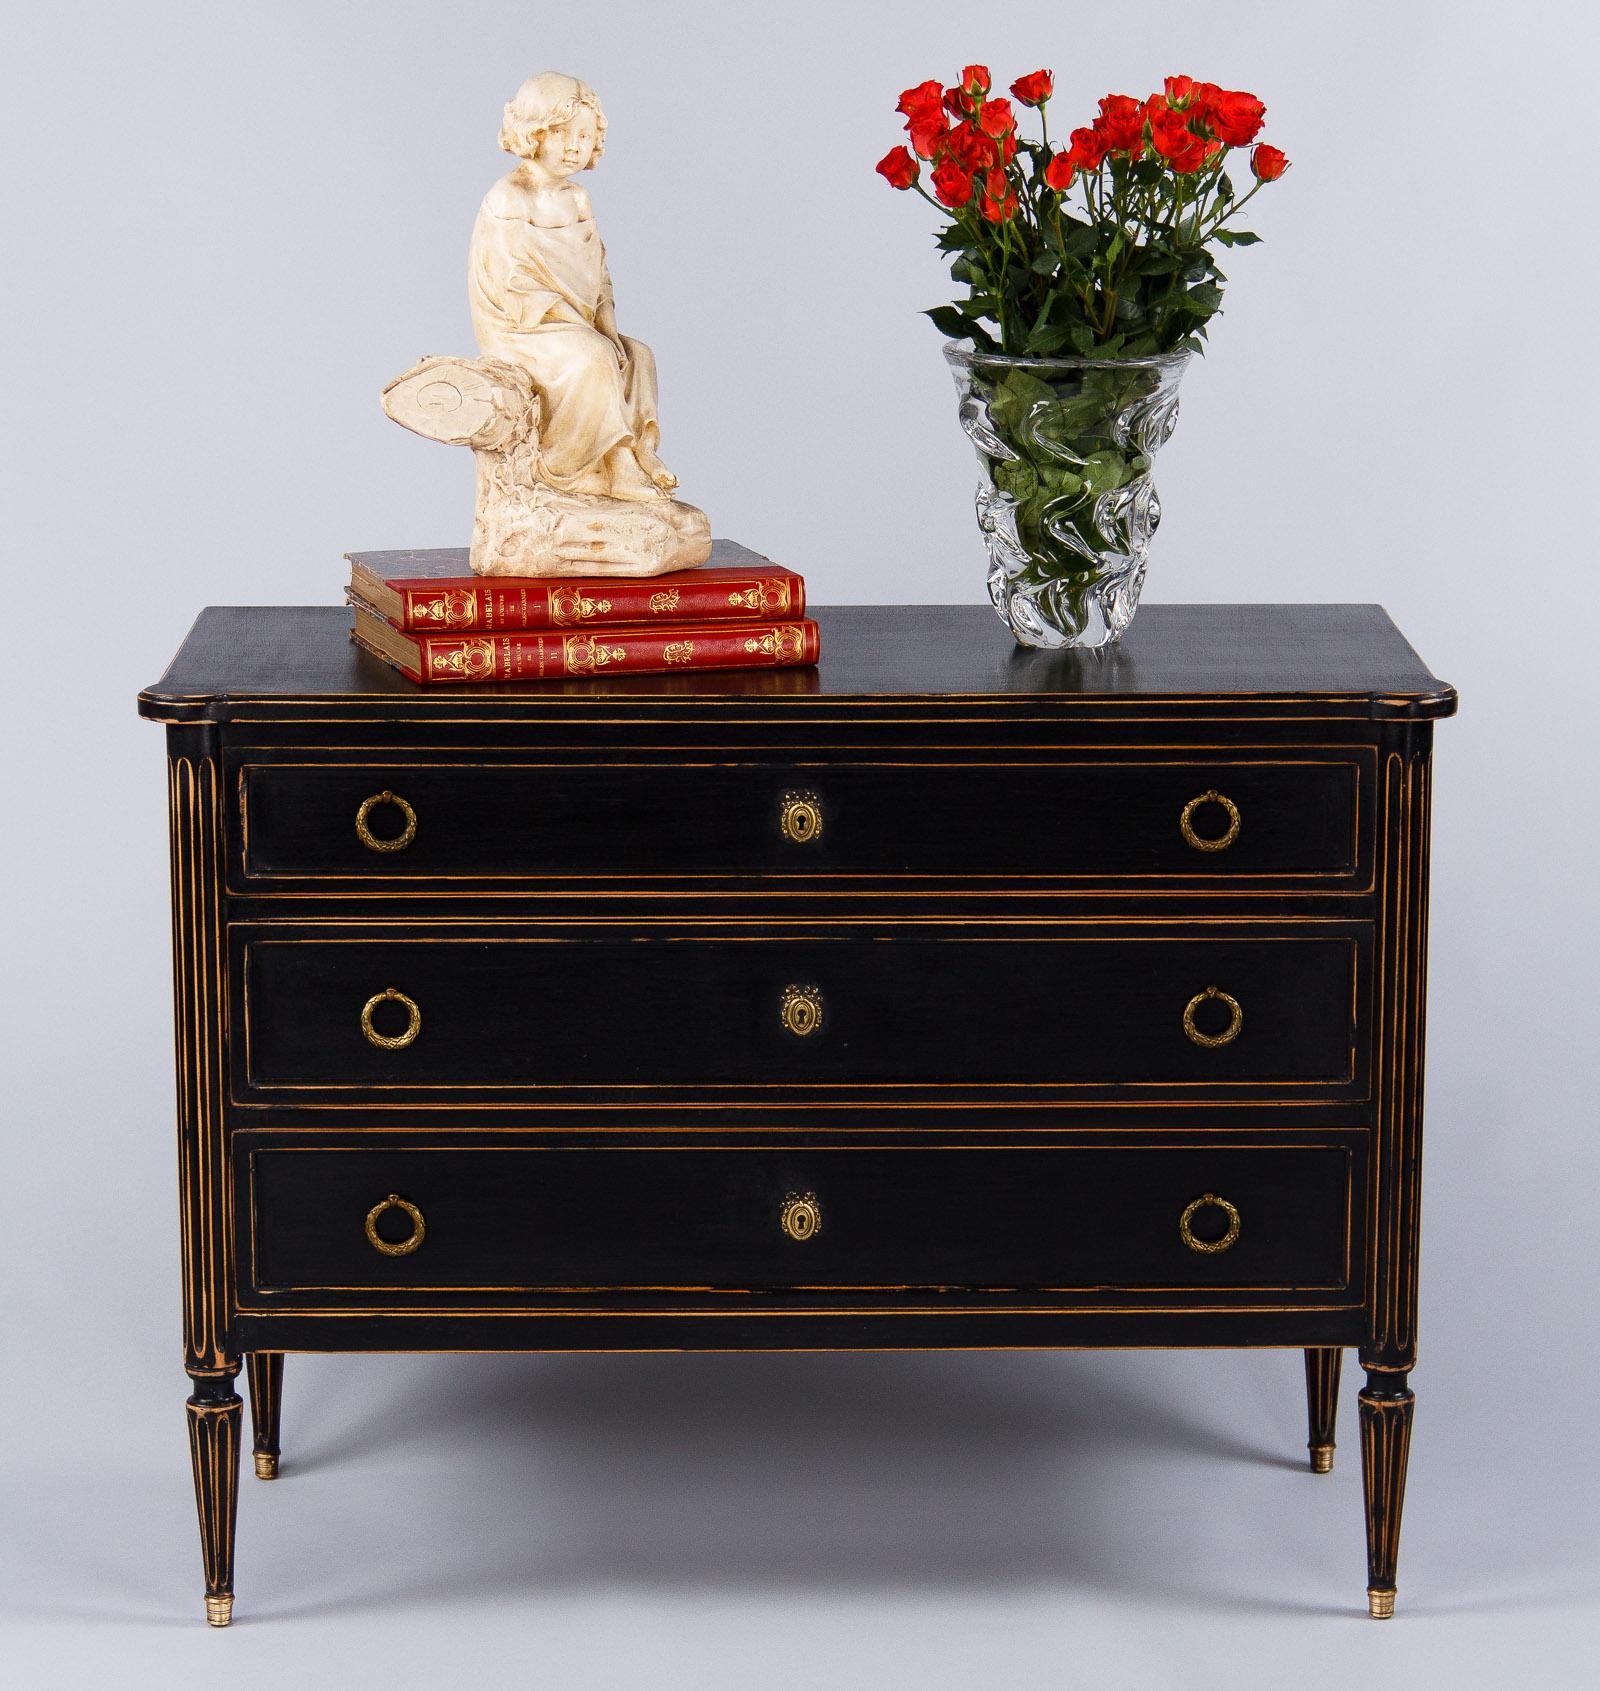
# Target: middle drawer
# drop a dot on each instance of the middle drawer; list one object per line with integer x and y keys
{"x": 525, "y": 1007}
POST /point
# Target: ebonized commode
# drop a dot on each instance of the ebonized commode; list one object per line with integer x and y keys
{"x": 947, "y": 995}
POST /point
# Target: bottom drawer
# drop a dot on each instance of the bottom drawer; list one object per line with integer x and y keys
{"x": 374, "y": 1226}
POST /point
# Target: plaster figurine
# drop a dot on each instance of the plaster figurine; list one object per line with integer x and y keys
{"x": 560, "y": 409}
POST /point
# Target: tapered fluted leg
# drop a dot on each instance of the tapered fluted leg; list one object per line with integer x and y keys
{"x": 265, "y": 1369}
{"x": 216, "y": 1414}
{"x": 1322, "y": 1405}
{"x": 1386, "y": 1407}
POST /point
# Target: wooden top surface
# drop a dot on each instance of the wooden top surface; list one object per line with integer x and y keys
{"x": 243, "y": 662}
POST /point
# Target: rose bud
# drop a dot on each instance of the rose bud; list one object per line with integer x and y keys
{"x": 1237, "y": 117}
{"x": 1268, "y": 163}
{"x": 996, "y": 118}
{"x": 921, "y": 100}
{"x": 1058, "y": 174}
{"x": 898, "y": 168}
{"x": 952, "y": 184}
{"x": 1034, "y": 88}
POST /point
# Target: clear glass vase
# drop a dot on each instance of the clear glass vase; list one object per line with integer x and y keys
{"x": 1066, "y": 504}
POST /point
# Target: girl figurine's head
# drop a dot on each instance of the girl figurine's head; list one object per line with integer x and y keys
{"x": 555, "y": 122}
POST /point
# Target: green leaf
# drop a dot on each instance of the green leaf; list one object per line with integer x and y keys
{"x": 1103, "y": 471}
{"x": 1207, "y": 297}
{"x": 1047, "y": 342}
{"x": 1058, "y": 481}
{"x": 1157, "y": 261}
{"x": 1082, "y": 241}
{"x": 1046, "y": 263}
{"x": 950, "y": 322}
{"x": 1015, "y": 395}
{"x": 969, "y": 269}
{"x": 1082, "y": 338}
{"x": 1016, "y": 477}
{"x": 981, "y": 338}
{"x": 1237, "y": 238}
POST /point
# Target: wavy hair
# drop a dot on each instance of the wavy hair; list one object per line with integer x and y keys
{"x": 545, "y": 102}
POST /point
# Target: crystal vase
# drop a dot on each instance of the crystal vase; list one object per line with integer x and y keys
{"x": 1066, "y": 504}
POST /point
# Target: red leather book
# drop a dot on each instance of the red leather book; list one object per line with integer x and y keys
{"x": 434, "y": 592}
{"x": 530, "y": 655}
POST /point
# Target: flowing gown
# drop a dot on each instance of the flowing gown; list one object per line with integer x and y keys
{"x": 535, "y": 291}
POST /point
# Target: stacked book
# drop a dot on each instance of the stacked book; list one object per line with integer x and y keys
{"x": 428, "y": 616}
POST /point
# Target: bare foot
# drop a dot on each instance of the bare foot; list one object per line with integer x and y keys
{"x": 654, "y": 468}
{"x": 628, "y": 477}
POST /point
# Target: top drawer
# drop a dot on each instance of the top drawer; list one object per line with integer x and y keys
{"x": 1190, "y": 820}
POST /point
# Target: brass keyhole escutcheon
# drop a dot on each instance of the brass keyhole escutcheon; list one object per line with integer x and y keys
{"x": 406, "y": 1246}
{"x": 369, "y": 839}
{"x": 801, "y": 1216}
{"x": 391, "y": 1041}
{"x": 801, "y": 1010}
{"x": 1209, "y": 1247}
{"x": 1229, "y": 1033}
{"x": 1219, "y": 842}
{"x": 800, "y": 819}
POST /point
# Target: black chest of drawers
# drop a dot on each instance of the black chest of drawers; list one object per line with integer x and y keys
{"x": 943, "y": 996}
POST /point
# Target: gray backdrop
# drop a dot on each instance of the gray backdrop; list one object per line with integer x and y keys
{"x": 227, "y": 226}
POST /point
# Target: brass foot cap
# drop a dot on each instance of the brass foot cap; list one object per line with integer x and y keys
{"x": 1380, "y": 1605}
{"x": 266, "y": 1465}
{"x": 1321, "y": 1459}
{"x": 219, "y": 1610}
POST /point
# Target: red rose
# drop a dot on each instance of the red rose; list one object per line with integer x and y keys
{"x": 927, "y": 132}
{"x": 1198, "y": 157}
{"x": 918, "y": 102}
{"x": 1237, "y": 117}
{"x": 1170, "y": 135}
{"x": 970, "y": 148}
{"x": 1058, "y": 174}
{"x": 999, "y": 210}
{"x": 898, "y": 168}
{"x": 995, "y": 185}
{"x": 996, "y": 118}
{"x": 1034, "y": 88}
{"x": 1268, "y": 163}
{"x": 1088, "y": 149}
{"x": 1121, "y": 122}
{"x": 1206, "y": 95}
{"x": 1180, "y": 90}
{"x": 975, "y": 79}
{"x": 952, "y": 184}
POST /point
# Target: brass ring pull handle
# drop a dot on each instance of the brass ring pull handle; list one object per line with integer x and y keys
{"x": 1199, "y": 841}
{"x": 406, "y": 1246}
{"x": 800, "y": 819}
{"x": 801, "y": 1010}
{"x": 1212, "y": 1040}
{"x": 387, "y": 1041}
{"x": 801, "y": 1216}
{"x": 1209, "y": 1247}
{"x": 369, "y": 839}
